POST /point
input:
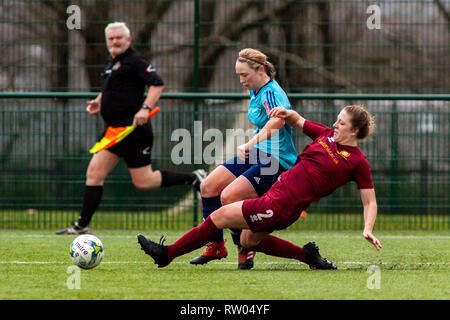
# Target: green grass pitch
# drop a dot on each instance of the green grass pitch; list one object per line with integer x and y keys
{"x": 411, "y": 265}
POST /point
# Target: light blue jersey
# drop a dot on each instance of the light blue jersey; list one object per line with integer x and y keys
{"x": 281, "y": 146}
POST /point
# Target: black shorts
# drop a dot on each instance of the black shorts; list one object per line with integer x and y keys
{"x": 136, "y": 148}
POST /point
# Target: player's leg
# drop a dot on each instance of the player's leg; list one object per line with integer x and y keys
{"x": 137, "y": 149}
{"x": 241, "y": 215}
{"x": 277, "y": 247}
{"x": 210, "y": 190}
{"x": 254, "y": 182}
{"x": 240, "y": 189}
{"x": 216, "y": 181}
{"x": 99, "y": 167}
{"x": 271, "y": 245}
{"x": 277, "y": 217}
{"x": 144, "y": 178}
{"x": 229, "y": 216}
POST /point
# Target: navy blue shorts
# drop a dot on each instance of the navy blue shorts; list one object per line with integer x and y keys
{"x": 260, "y": 168}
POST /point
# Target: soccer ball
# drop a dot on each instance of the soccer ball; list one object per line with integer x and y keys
{"x": 86, "y": 251}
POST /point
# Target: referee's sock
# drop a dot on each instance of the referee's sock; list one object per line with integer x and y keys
{"x": 209, "y": 205}
{"x": 172, "y": 178}
{"x": 91, "y": 199}
{"x": 193, "y": 239}
{"x": 278, "y": 247}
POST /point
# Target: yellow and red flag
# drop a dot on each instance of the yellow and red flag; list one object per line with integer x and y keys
{"x": 114, "y": 135}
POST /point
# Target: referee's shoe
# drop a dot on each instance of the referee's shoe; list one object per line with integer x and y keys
{"x": 314, "y": 260}
{"x": 75, "y": 229}
{"x": 200, "y": 175}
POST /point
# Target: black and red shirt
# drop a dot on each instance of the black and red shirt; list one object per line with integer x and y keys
{"x": 124, "y": 81}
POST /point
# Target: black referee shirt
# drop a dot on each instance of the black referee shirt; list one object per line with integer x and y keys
{"x": 124, "y": 82}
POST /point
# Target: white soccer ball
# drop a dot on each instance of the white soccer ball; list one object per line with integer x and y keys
{"x": 86, "y": 251}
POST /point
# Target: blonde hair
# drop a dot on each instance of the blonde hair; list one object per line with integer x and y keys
{"x": 255, "y": 58}
{"x": 362, "y": 120}
{"x": 118, "y": 25}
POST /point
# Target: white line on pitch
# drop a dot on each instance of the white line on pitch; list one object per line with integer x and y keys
{"x": 176, "y": 237}
{"x": 226, "y": 263}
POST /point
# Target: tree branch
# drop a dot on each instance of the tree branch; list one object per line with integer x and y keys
{"x": 444, "y": 12}
{"x": 295, "y": 59}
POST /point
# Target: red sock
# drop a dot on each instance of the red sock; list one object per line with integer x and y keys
{"x": 278, "y": 247}
{"x": 194, "y": 239}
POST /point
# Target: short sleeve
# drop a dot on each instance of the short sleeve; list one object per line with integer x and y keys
{"x": 271, "y": 99}
{"x": 363, "y": 176}
{"x": 314, "y": 130}
{"x": 147, "y": 73}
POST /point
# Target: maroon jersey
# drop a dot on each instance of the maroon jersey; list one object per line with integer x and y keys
{"x": 327, "y": 165}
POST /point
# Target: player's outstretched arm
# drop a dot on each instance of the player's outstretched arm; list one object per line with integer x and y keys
{"x": 370, "y": 214}
{"x": 292, "y": 117}
{"x": 270, "y": 129}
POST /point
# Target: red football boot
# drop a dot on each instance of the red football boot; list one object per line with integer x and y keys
{"x": 246, "y": 258}
{"x": 213, "y": 251}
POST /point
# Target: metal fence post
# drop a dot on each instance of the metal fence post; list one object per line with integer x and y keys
{"x": 394, "y": 158}
{"x": 196, "y": 90}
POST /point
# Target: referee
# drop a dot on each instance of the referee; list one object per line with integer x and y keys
{"x": 121, "y": 103}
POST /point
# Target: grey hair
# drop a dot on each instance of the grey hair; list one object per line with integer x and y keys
{"x": 117, "y": 25}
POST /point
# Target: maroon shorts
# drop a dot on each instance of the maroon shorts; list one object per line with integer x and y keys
{"x": 265, "y": 215}
{"x": 278, "y": 209}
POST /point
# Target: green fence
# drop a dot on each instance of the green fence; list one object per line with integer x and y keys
{"x": 391, "y": 55}
{"x": 322, "y": 46}
{"x": 45, "y": 138}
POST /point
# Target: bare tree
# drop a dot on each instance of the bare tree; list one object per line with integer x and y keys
{"x": 443, "y": 11}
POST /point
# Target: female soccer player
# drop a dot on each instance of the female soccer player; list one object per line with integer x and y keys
{"x": 330, "y": 161}
{"x": 259, "y": 161}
